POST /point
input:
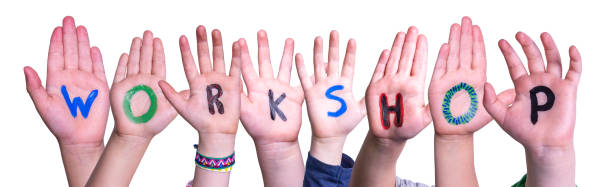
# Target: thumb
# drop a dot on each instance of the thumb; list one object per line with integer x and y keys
{"x": 362, "y": 106}
{"x": 34, "y": 87}
{"x": 427, "y": 118}
{"x": 495, "y": 105}
{"x": 178, "y": 100}
{"x": 506, "y": 97}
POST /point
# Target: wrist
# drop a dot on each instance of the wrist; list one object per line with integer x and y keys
{"x": 327, "y": 150}
{"x": 390, "y": 148}
{"x": 454, "y": 138}
{"x": 216, "y": 144}
{"x": 277, "y": 151}
{"x": 550, "y": 166}
{"x": 82, "y": 149}
{"x": 130, "y": 140}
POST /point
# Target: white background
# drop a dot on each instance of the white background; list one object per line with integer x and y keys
{"x": 30, "y": 155}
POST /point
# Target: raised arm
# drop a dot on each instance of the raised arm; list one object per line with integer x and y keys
{"x": 395, "y": 107}
{"x": 455, "y": 97}
{"x": 75, "y": 103}
{"x": 272, "y": 114}
{"x": 543, "y": 114}
{"x": 139, "y": 108}
{"x": 213, "y": 107}
{"x": 332, "y": 108}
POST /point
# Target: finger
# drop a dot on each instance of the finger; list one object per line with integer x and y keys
{"x": 284, "y": 71}
{"x": 319, "y": 64}
{"x": 575, "y": 68}
{"x": 396, "y": 51}
{"x": 302, "y": 72}
{"x": 333, "y": 54}
{"x": 71, "y": 57}
{"x": 203, "y": 51}
{"x": 408, "y": 51}
{"x": 121, "y": 72}
{"x": 235, "y": 66}
{"x": 494, "y": 105}
{"x": 218, "y": 59}
{"x": 85, "y": 63}
{"x": 133, "y": 61}
{"x": 534, "y": 57}
{"x": 466, "y": 45}
{"x": 380, "y": 66}
{"x": 188, "y": 64}
{"x": 146, "y": 53}
{"x": 55, "y": 60}
{"x": 419, "y": 66}
{"x": 478, "y": 53}
{"x": 348, "y": 66}
{"x": 440, "y": 67}
{"x": 98, "y": 66}
{"x": 34, "y": 87}
{"x": 177, "y": 100}
{"x": 248, "y": 72}
{"x": 454, "y": 44}
{"x": 159, "y": 59}
{"x": 552, "y": 55}
{"x": 265, "y": 66}
{"x": 515, "y": 66}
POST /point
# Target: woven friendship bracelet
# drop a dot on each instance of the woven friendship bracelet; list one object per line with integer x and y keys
{"x": 224, "y": 164}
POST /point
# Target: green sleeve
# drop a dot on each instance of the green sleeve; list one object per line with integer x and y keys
{"x": 521, "y": 183}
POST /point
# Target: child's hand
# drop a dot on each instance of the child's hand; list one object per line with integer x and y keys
{"x": 396, "y": 110}
{"x": 75, "y": 103}
{"x": 272, "y": 114}
{"x": 332, "y": 109}
{"x": 536, "y": 119}
{"x": 456, "y": 88}
{"x": 213, "y": 106}
{"x": 272, "y": 111}
{"x": 139, "y": 106}
{"x": 543, "y": 114}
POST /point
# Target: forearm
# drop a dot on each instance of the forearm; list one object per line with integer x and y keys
{"x": 327, "y": 150}
{"x": 119, "y": 160}
{"x": 281, "y": 163}
{"x": 551, "y": 166}
{"x": 454, "y": 157}
{"x": 217, "y": 146}
{"x": 376, "y": 162}
{"x": 79, "y": 161}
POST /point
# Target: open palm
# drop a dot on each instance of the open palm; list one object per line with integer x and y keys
{"x": 457, "y": 85}
{"x": 75, "y": 66}
{"x": 327, "y": 115}
{"x": 147, "y": 112}
{"x": 223, "y": 118}
{"x": 256, "y": 113}
{"x": 400, "y": 73}
{"x": 554, "y": 127}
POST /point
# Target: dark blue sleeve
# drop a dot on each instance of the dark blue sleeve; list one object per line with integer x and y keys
{"x": 319, "y": 174}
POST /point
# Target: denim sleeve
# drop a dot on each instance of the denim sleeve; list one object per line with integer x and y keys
{"x": 319, "y": 174}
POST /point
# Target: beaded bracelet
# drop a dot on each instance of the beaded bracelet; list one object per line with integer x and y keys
{"x": 224, "y": 164}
